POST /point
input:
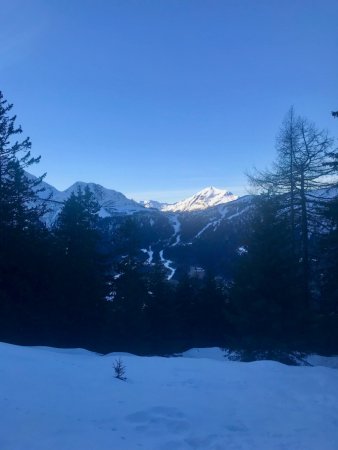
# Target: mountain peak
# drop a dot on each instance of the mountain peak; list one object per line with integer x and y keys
{"x": 206, "y": 198}
{"x": 212, "y": 191}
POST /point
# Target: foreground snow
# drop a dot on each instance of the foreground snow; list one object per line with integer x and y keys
{"x": 54, "y": 399}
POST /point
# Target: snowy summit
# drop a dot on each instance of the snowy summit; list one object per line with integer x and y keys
{"x": 204, "y": 199}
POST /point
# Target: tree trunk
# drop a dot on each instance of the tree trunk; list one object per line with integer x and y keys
{"x": 292, "y": 186}
{"x": 305, "y": 240}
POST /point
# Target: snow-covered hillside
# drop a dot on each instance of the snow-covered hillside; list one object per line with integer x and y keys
{"x": 68, "y": 399}
{"x": 204, "y": 199}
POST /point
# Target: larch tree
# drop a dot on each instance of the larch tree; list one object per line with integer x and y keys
{"x": 300, "y": 175}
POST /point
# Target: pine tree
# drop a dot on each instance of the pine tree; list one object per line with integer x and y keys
{"x": 212, "y": 311}
{"x": 20, "y": 205}
{"x": 82, "y": 266}
{"x": 77, "y": 224}
{"x": 159, "y": 306}
{"x": 265, "y": 293}
{"x": 185, "y": 310}
{"x": 24, "y": 242}
{"x": 130, "y": 301}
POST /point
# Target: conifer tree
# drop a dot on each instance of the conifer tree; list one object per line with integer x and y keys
{"x": 265, "y": 293}
{"x": 77, "y": 224}
{"x": 299, "y": 175}
{"x": 158, "y": 307}
{"x": 24, "y": 247}
{"x": 20, "y": 205}
{"x": 185, "y": 309}
{"x": 82, "y": 267}
{"x": 212, "y": 311}
{"x": 130, "y": 300}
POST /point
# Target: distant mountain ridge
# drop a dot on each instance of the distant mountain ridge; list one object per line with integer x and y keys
{"x": 206, "y": 198}
{"x": 113, "y": 202}
{"x": 207, "y": 230}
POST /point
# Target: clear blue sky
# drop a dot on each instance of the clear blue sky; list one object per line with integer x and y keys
{"x": 160, "y": 98}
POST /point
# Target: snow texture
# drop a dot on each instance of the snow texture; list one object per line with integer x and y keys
{"x": 53, "y": 399}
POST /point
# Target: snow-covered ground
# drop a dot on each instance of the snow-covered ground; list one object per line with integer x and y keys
{"x": 53, "y": 399}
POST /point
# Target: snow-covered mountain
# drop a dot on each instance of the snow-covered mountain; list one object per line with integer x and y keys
{"x": 111, "y": 202}
{"x": 176, "y": 236}
{"x": 203, "y": 199}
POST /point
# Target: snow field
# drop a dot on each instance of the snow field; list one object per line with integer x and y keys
{"x": 52, "y": 399}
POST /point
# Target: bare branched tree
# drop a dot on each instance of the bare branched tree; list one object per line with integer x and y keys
{"x": 301, "y": 173}
{"x": 119, "y": 369}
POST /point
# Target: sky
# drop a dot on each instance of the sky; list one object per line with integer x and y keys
{"x": 160, "y": 98}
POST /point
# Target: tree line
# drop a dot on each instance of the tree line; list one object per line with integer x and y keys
{"x": 63, "y": 285}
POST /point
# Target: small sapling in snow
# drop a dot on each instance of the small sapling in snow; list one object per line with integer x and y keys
{"x": 119, "y": 369}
